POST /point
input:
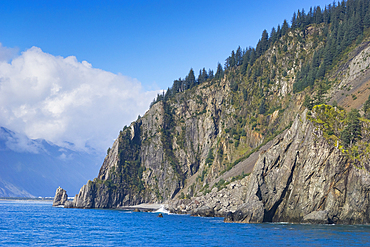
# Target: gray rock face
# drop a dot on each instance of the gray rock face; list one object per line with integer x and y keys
{"x": 252, "y": 212}
{"x": 204, "y": 211}
{"x": 220, "y": 202}
{"x": 163, "y": 162}
{"x": 303, "y": 179}
{"x": 300, "y": 179}
{"x": 317, "y": 217}
{"x": 60, "y": 197}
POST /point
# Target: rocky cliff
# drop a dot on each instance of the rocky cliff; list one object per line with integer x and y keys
{"x": 175, "y": 145}
{"x": 243, "y": 145}
{"x": 302, "y": 178}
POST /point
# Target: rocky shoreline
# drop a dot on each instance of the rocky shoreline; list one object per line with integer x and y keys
{"x": 299, "y": 179}
{"x": 216, "y": 203}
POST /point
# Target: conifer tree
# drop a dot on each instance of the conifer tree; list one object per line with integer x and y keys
{"x": 190, "y": 79}
{"x": 352, "y": 132}
{"x": 220, "y": 72}
{"x": 210, "y": 74}
{"x": 284, "y": 28}
{"x": 239, "y": 56}
{"x": 366, "y": 108}
{"x": 262, "y": 108}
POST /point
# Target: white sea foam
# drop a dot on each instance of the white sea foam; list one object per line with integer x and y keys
{"x": 162, "y": 210}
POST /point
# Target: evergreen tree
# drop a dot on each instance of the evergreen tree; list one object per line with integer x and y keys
{"x": 200, "y": 77}
{"x": 273, "y": 36}
{"x": 220, "y": 72}
{"x": 245, "y": 94}
{"x": 210, "y": 74}
{"x": 239, "y": 56}
{"x": 263, "y": 43}
{"x": 352, "y": 132}
{"x": 294, "y": 21}
{"x": 252, "y": 57}
{"x": 203, "y": 76}
{"x": 231, "y": 60}
{"x": 308, "y": 102}
{"x": 284, "y": 28}
{"x": 318, "y": 15}
{"x": 262, "y": 108}
{"x": 328, "y": 56}
{"x": 190, "y": 80}
{"x": 366, "y": 20}
{"x": 366, "y": 108}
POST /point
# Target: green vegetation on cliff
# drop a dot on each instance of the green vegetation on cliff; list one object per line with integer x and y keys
{"x": 347, "y": 131}
{"x": 203, "y": 126}
{"x": 167, "y": 132}
{"x": 264, "y": 87}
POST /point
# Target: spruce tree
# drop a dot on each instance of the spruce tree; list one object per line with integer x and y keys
{"x": 190, "y": 79}
{"x": 239, "y": 56}
{"x": 352, "y": 132}
{"x": 220, "y": 72}
{"x": 262, "y": 108}
{"x": 366, "y": 108}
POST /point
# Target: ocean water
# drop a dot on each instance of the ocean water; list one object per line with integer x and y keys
{"x": 37, "y": 223}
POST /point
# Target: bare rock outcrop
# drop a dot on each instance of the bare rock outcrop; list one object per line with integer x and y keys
{"x": 216, "y": 203}
{"x": 302, "y": 178}
{"x": 60, "y": 197}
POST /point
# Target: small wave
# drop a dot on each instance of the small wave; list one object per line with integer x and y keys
{"x": 162, "y": 210}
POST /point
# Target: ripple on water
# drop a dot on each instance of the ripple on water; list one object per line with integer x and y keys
{"x": 34, "y": 223}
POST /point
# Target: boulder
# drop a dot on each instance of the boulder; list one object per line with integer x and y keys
{"x": 251, "y": 212}
{"x": 317, "y": 217}
{"x": 204, "y": 211}
{"x": 69, "y": 204}
{"x": 60, "y": 197}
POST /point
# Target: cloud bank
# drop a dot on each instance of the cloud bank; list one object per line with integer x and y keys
{"x": 67, "y": 102}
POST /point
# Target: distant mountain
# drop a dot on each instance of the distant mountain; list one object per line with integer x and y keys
{"x": 35, "y": 167}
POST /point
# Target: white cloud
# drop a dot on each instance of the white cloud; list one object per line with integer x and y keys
{"x": 65, "y": 101}
{"x": 19, "y": 142}
{"x": 7, "y": 53}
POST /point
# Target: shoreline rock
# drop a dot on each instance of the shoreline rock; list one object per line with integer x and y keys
{"x": 60, "y": 197}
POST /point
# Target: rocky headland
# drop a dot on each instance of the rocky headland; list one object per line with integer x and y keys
{"x": 268, "y": 139}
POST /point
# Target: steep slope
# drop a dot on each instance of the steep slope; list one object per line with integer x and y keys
{"x": 153, "y": 158}
{"x": 302, "y": 178}
{"x": 197, "y": 138}
{"x": 10, "y": 190}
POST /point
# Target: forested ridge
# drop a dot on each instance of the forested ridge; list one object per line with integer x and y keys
{"x": 333, "y": 30}
{"x": 305, "y": 52}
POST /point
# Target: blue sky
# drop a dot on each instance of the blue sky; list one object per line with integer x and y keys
{"x": 58, "y": 56}
{"x": 153, "y": 41}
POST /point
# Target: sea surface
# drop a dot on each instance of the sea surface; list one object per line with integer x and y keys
{"x": 37, "y": 223}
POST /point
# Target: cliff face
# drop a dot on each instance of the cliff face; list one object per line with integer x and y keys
{"x": 191, "y": 148}
{"x": 153, "y": 158}
{"x": 302, "y": 178}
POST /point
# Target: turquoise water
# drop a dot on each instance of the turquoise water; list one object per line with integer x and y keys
{"x": 37, "y": 223}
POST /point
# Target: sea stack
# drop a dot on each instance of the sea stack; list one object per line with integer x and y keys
{"x": 60, "y": 197}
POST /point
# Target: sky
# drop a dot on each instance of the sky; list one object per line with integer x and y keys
{"x": 75, "y": 72}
